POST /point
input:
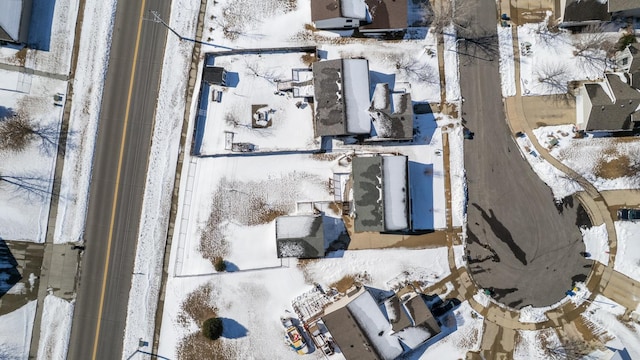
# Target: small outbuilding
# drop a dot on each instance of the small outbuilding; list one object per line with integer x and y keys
{"x": 215, "y": 75}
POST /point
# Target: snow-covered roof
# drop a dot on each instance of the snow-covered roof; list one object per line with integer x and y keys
{"x": 355, "y": 9}
{"x": 380, "y": 193}
{"x": 341, "y": 90}
{"x": 332, "y": 9}
{"x": 391, "y": 114}
{"x": 12, "y": 19}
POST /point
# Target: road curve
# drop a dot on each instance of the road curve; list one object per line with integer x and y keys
{"x": 119, "y": 170}
{"x": 519, "y": 243}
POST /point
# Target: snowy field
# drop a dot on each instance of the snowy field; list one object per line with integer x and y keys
{"x": 604, "y": 319}
{"x": 609, "y": 163}
{"x": 15, "y": 332}
{"x": 27, "y": 175}
{"x": 628, "y": 254}
{"x": 549, "y": 60}
{"x": 55, "y": 328}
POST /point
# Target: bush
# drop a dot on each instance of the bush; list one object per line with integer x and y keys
{"x": 625, "y": 41}
{"x": 212, "y": 328}
{"x": 219, "y": 264}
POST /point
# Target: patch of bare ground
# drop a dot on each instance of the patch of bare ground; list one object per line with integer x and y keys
{"x": 335, "y": 207}
{"x": 614, "y": 168}
{"x": 303, "y": 266}
{"x": 21, "y": 56}
{"x": 309, "y": 58}
{"x": 197, "y": 306}
{"x": 344, "y": 284}
{"x": 325, "y": 156}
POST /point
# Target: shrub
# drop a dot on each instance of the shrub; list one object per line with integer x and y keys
{"x": 625, "y": 41}
{"x": 212, "y": 328}
{"x": 219, "y": 264}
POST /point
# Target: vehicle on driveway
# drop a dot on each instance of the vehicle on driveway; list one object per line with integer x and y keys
{"x": 629, "y": 214}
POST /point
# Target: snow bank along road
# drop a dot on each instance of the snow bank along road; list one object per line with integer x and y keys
{"x": 119, "y": 170}
{"x": 519, "y": 243}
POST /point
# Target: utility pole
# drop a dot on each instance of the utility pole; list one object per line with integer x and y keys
{"x": 158, "y": 19}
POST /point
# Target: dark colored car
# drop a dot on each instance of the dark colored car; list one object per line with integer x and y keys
{"x": 445, "y": 307}
{"x": 629, "y": 214}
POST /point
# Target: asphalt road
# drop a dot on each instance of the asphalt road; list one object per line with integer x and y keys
{"x": 520, "y": 243}
{"x": 118, "y": 179}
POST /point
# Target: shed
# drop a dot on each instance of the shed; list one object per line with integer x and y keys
{"x": 215, "y": 75}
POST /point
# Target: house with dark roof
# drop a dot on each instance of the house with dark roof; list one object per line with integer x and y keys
{"x": 391, "y": 114}
{"x": 215, "y": 75}
{"x": 579, "y": 13}
{"x": 611, "y": 105}
{"x": 628, "y": 61}
{"x": 14, "y": 21}
{"x": 309, "y": 236}
{"x": 369, "y": 16}
{"x": 381, "y": 198}
{"x": 364, "y": 328}
{"x": 624, "y": 8}
{"x": 341, "y": 93}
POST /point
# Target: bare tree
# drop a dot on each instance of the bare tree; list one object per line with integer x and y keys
{"x": 30, "y": 186}
{"x": 415, "y": 70}
{"x": 554, "y": 77}
{"x": 18, "y": 131}
{"x": 445, "y": 12}
{"x": 573, "y": 348}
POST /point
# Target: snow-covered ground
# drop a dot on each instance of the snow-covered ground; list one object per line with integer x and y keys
{"x": 560, "y": 184}
{"x": 15, "y": 332}
{"x": 607, "y": 162}
{"x": 88, "y": 85}
{"x": 628, "y": 254}
{"x": 530, "y": 314}
{"x": 537, "y": 344}
{"x": 458, "y": 176}
{"x": 27, "y": 176}
{"x": 55, "y": 328}
{"x": 507, "y": 63}
{"x": 549, "y": 60}
{"x": 596, "y": 241}
{"x": 451, "y": 69}
{"x": 604, "y": 318}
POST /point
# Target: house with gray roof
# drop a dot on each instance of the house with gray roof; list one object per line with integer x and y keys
{"x": 381, "y": 198}
{"x": 300, "y": 236}
{"x": 341, "y": 97}
{"x": 363, "y": 328}
{"x": 611, "y": 105}
{"x": 628, "y": 61}
{"x": 578, "y": 13}
{"x": 14, "y": 21}
{"x": 391, "y": 114}
{"x": 369, "y": 16}
{"x": 624, "y": 8}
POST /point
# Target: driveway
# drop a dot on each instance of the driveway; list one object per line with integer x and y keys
{"x": 520, "y": 243}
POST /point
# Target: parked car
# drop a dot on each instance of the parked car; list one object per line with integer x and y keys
{"x": 445, "y": 307}
{"x": 629, "y": 214}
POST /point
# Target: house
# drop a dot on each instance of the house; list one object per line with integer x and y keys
{"x": 391, "y": 114}
{"x": 14, "y": 21}
{"x": 364, "y": 328}
{"x": 381, "y": 193}
{"x": 624, "y": 8}
{"x": 300, "y": 236}
{"x": 215, "y": 75}
{"x": 341, "y": 93}
{"x": 369, "y": 16}
{"x": 578, "y": 13}
{"x": 608, "y": 106}
{"x": 309, "y": 236}
{"x": 628, "y": 60}
{"x": 338, "y": 14}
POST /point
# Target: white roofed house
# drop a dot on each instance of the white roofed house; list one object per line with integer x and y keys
{"x": 15, "y": 16}
{"x": 338, "y": 14}
{"x": 341, "y": 93}
{"x": 381, "y": 198}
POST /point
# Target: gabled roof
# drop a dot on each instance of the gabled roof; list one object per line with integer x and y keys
{"x": 634, "y": 50}
{"x": 341, "y": 92}
{"x": 387, "y": 15}
{"x": 623, "y": 5}
{"x": 215, "y": 75}
{"x": 577, "y": 11}
{"x": 300, "y": 236}
{"x": 612, "y": 103}
{"x": 391, "y": 114}
{"x": 380, "y": 193}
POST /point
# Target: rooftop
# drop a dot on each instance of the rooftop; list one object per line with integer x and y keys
{"x": 586, "y": 10}
{"x": 612, "y": 103}
{"x": 623, "y": 5}
{"x": 387, "y": 14}
{"x": 300, "y": 236}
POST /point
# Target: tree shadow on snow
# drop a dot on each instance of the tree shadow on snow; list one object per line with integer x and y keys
{"x": 232, "y": 329}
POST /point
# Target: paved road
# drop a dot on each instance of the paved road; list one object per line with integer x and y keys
{"x": 118, "y": 175}
{"x": 520, "y": 243}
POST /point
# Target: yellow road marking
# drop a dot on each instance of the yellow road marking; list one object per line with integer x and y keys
{"x": 117, "y": 188}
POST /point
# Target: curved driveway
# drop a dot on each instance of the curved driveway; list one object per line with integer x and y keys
{"x": 520, "y": 244}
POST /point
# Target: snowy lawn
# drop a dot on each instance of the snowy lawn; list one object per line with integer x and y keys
{"x": 607, "y": 162}
{"x": 603, "y": 317}
{"x": 451, "y": 70}
{"x": 15, "y": 332}
{"x": 507, "y": 63}
{"x": 596, "y": 241}
{"x": 27, "y": 176}
{"x": 252, "y": 89}
{"x": 55, "y": 328}
{"x": 560, "y": 184}
{"x": 628, "y": 254}
{"x": 537, "y": 344}
{"x": 549, "y": 60}
{"x": 530, "y": 314}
